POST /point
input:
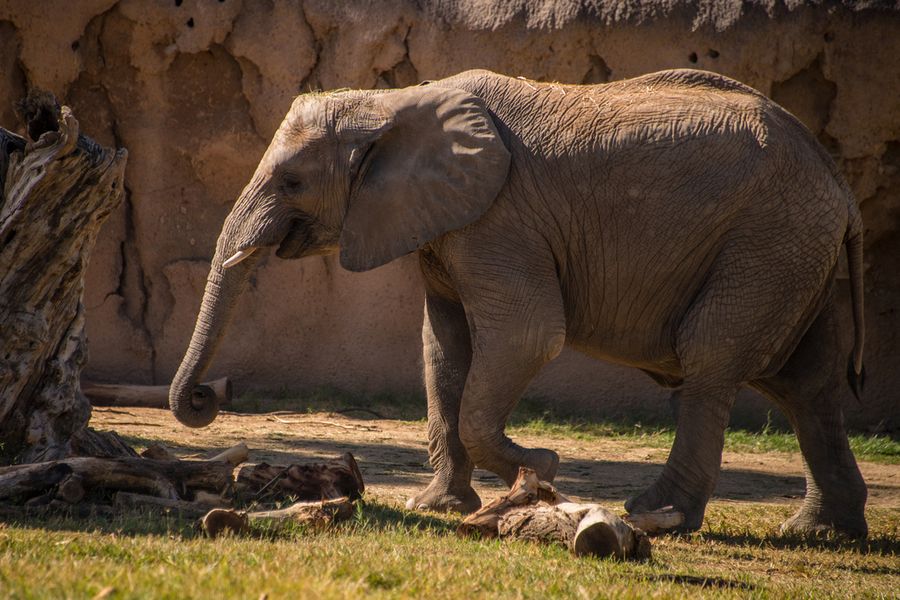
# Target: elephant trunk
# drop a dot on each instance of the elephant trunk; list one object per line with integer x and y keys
{"x": 196, "y": 405}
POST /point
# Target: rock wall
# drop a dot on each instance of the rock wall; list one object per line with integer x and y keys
{"x": 195, "y": 89}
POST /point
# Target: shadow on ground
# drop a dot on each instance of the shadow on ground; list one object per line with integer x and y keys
{"x": 383, "y": 463}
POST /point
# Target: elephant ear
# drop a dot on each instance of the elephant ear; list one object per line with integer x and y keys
{"x": 432, "y": 162}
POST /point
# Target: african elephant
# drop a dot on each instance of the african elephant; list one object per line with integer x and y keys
{"x": 679, "y": 222}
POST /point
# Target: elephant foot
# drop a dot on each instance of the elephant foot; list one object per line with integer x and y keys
{"x": 812, "y": 521}
{"x": 544, "y": 462}
{"x": 662, "y": 494}
{"x": 440, "y": 497}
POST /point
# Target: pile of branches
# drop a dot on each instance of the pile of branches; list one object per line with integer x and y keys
{"x": 210, "y": 489}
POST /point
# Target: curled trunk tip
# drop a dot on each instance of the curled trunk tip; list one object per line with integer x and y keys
{"x": 198, "y": 409}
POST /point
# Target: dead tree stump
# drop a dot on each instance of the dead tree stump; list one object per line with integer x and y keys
{"x": 57, "y": 190}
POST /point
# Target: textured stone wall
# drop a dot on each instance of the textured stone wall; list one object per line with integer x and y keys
{"x": 195, "y": 89}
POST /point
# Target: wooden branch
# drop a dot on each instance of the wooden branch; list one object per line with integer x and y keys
{"x": 163, "y": 478}
{"x": 602, "y": 533}
{"x": 158, "y": 452}
{"x": 234, "y": 456}
{"x": 526, "y": 490}
{"x": 533, "y": 510}
{"x": 147, "y": 396}
{"x": 315, "y": 514}
{"x": 311, "y": 482}
{"x": 30, "y": 480}
{"x": 662, "y": 519}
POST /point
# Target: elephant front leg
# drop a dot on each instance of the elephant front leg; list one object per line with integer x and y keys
{"x": 447, "y": 355}
{"x": 494, "y": 387}
{"x": 518, "y": 325}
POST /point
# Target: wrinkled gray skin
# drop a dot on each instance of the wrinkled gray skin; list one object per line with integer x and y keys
{"x": 679, "y": 222}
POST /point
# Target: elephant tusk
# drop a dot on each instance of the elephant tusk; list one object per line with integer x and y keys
{"x": 238, "y": 257}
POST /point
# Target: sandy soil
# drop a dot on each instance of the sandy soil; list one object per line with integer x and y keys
{"x": 393, "y": 456}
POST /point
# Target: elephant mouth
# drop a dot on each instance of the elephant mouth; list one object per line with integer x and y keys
{"x": 297, "y": 240}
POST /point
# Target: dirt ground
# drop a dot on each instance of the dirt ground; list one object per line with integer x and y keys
{"x": 393, "y": 456}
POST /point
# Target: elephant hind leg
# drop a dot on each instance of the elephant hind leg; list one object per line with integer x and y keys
{"x": 808, "y": 389}
{"x": 718, "y": 346}
{"x": 692, "y": 469}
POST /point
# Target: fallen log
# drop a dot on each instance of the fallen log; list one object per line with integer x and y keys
{"x": 338, "y": 478}
{"x": 31, "y": 480}
{"x": 158, "y": 477}
{"x": 163, "y": 478}
{"x": 534, "y": 510}
{"x": 315, "y": 514}
{"x": 71, "y": 489}
{"x": 147, "y": 396}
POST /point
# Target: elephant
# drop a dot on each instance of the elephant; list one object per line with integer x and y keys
{"x": 679, "y": 222}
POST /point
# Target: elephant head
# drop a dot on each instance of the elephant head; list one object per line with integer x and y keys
{"x": 375, "y": 175}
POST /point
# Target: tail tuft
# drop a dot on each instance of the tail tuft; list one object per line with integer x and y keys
{"x": 856, "y": 380}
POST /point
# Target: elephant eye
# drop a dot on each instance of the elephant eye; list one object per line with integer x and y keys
{"x": 291, "y": 183}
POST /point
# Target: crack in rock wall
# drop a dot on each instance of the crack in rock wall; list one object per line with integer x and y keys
{"x": 196, "y": 88}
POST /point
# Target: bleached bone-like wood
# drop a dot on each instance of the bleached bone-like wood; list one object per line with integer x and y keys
{"x": 158, "y": 452}
{"x": 533, "y": 510}
{"x": 315, "y": 514}
{"x": 526, "y": 490}
{"x": 234, "y": 456}
{"x": 602, "y": 533}
{"x": 147, "y": 396}
{"x": 210, "y": 500}
{"x": 655, "y": 521}
{"x": 337, "y": 478}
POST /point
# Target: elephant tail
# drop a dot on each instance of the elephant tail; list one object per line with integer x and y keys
{"x": 856, "y": 373}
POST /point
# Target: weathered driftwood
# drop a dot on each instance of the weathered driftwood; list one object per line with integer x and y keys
{"x": 158, "y": 452}
{"x": 171, "y": 479}
{"x": 31, "y": 480}
{"x": 165, "y": 478}
{"x": 315, "y": 514}
{"x": 527, "y": 490}
{"x": 234, "y": 456}
{"x": 147, "y": 396}
{"x": 100, "y": 444}
{"x": 533, "y": 510}
{"x": 585, "y": 529}
{"x": 663, "y": 519}
{"x": 327, "y": 480}
{"x": 55, "y": 193}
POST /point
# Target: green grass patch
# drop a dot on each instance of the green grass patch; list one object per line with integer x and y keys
{"x": 386, "y": 552}
{"x": 874, "y": 448}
